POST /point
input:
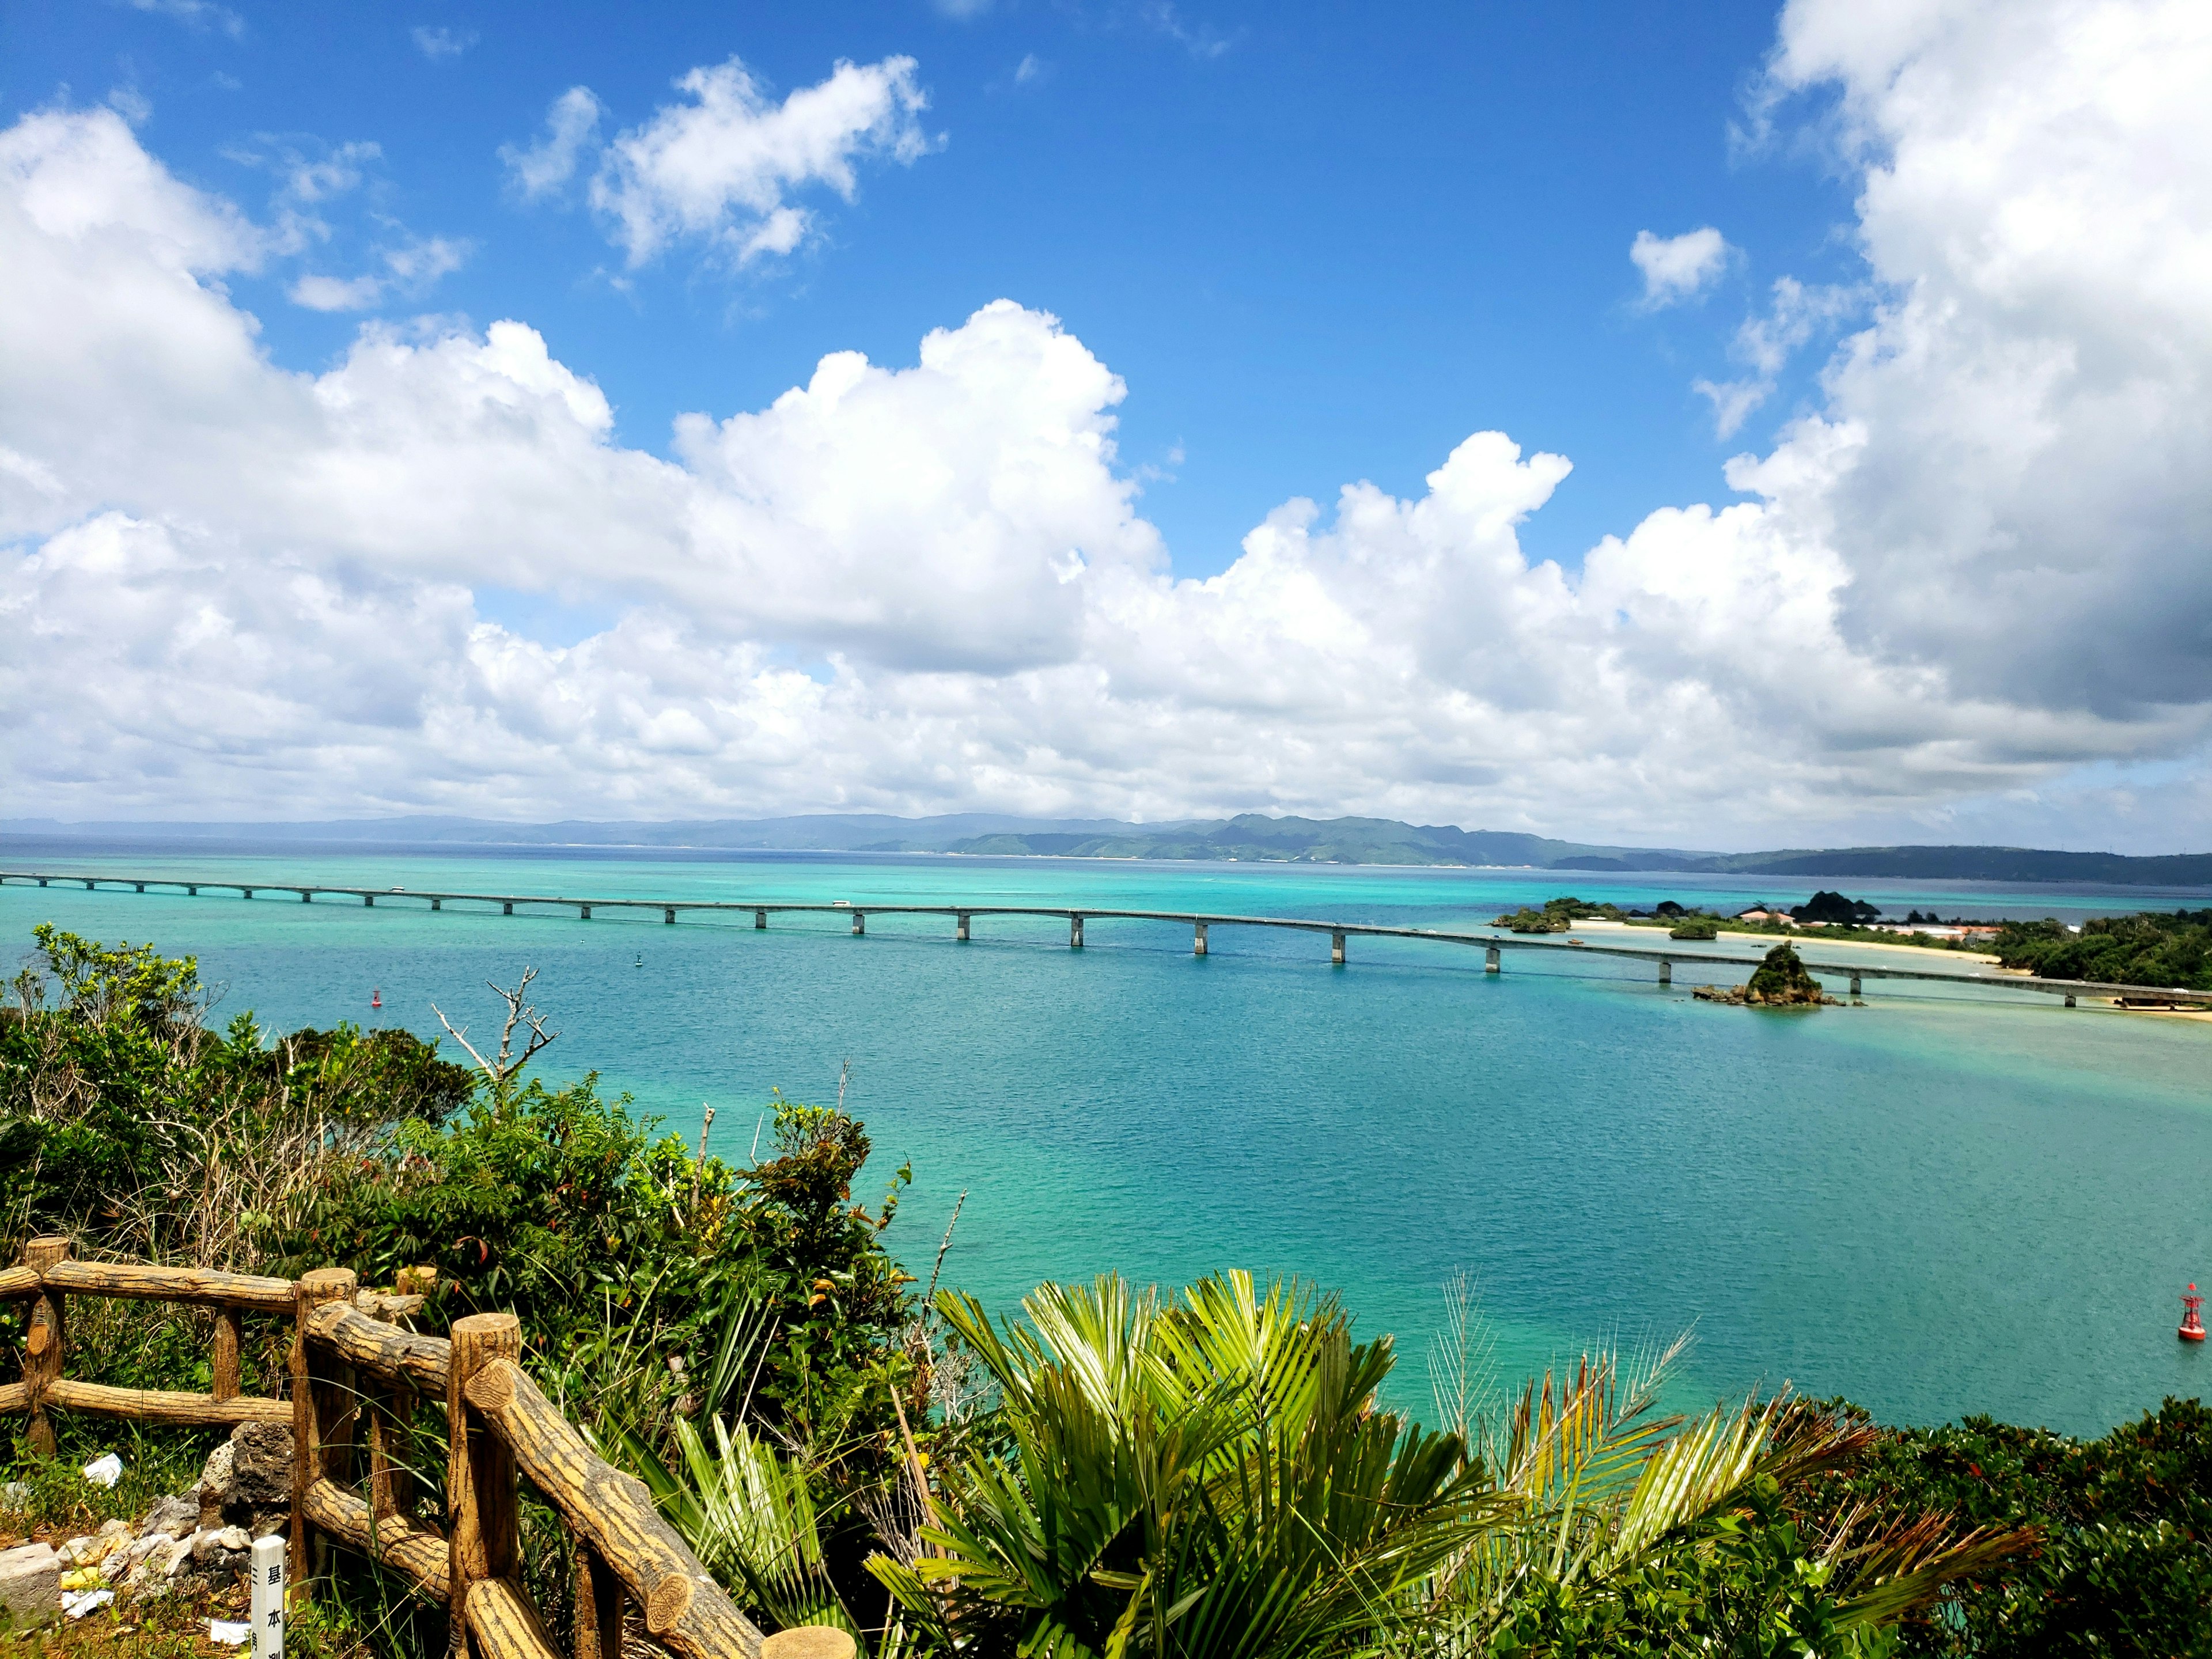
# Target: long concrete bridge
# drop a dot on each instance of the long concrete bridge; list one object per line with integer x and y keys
{"x": 1492, "y": 944}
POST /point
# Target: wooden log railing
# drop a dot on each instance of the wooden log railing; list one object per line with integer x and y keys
{"x": 355, "y": 1381}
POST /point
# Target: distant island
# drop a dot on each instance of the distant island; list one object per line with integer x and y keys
{"x": 1249, "y": 837}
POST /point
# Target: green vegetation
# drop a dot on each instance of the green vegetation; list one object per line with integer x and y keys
{"x": 1117, "y": 1472}
{"x": 1558, "y": 915}
{"x": 1833, "y": 909}
{"x": 1681, "y": 923}
{"x": 2123, "y": 1563}
{"x": 1782, "y": 980}
{"x": 2173, "y": 952}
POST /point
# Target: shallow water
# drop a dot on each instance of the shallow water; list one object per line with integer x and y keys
{"x": 1943, "y": 1202}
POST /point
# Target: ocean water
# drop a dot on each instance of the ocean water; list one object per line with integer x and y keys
{"x": 1945, "y": 1201}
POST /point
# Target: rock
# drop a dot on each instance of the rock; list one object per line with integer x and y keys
{"x": 248, "y": 1481}
{"x": 229, "y": 1538}
{"x": 30, "y": 1586}
{"x": 1780, "y": 981}
{"x": 215, "y": 1557}
{"x": 151, "y": 1564}
{"x": 215, "y": 1482}
{"x": 176, "y": 1516}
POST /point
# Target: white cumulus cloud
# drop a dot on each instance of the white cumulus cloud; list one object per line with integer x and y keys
{"x": 1679, "y": 268}
{"x": 723, "y": 166}
{"x": 1963, "y": 596}
{"x": 572, "y": 126}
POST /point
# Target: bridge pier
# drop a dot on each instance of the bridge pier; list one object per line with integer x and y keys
{"x": 1075, "y": 932}
{"x": 583, "y": 913}
{"x": 1198, "y": 939}
{"x": 760, "y": 918}
{"x": 507, "y": 907}
{"x": 139, "y": 885}
{"x": 860, "y": 923}
{"x": 1336, "y": 950}
{"x": 668, "y": 915}
{"x": 437, "y": 904}
{"x": 190, "y": 892}
{"x": 89, "y": 885}
{"x": 1666, "y": 971}
{"x": 1854, "y": 984}
{"x": 42, "y": 881}
{"x": 960, "y": 927}
{"x": 243, "y": 892}
{"x": 1490, "y": 963}
{"x": 368, "y": 901}
{"x": 307, "y": 895}
{"x": 2070, "y": 998}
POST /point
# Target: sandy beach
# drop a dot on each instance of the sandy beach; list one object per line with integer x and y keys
{"x": 1800, "y": 940}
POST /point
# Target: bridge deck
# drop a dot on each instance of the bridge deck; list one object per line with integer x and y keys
{"x": 1670, "y": 954}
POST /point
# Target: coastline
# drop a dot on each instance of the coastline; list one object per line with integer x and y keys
{"x": 1802, "y": 939}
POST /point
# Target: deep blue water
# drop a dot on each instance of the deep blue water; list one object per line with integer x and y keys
{"x": 1939, "y": 1203}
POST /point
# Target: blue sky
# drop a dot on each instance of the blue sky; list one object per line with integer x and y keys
{"x": 1728, "y": 425}
{"x": 1318, "y": 242}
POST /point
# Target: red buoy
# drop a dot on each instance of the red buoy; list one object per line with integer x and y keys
{"x": 2192, "y": 1323}
{"x": 376, "y": 1000}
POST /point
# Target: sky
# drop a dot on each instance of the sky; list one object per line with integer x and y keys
{"x": 1715, "y": 425}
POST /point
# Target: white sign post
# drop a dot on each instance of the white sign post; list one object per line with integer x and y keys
{"x": 267, "y": 1598}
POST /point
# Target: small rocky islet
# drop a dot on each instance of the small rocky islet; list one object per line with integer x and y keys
{"x": 1780, "y": 981}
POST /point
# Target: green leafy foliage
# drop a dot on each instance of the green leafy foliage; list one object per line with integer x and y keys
{"x": 2169, "y": 951}
{"x": 1781, "y": 980}
{"x": 1557, "y": 916}
{"x": 2125, "y": 1562}
{"x": 1213, "y": 1477}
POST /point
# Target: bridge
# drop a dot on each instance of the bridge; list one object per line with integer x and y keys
{"x": 1492, "y": 943}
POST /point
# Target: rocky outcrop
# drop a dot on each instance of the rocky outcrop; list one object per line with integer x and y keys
{"x": 248, "y": 1481}
{"x": 202, "y": 1537}
{"x": 1780, "y": 981}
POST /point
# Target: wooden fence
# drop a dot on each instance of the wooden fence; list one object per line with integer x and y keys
{"x": 355, "y": 1380}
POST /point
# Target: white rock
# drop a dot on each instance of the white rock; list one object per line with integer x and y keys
{"x": 215, "y": 1478}
{"x": 30, "y": 1585}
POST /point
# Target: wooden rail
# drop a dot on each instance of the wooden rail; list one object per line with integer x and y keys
{"x": 354, "y": 1383}
{"x": 1492, "y": 941}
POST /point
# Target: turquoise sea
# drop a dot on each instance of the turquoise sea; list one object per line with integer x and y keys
{"x": 1940, "y": 1203}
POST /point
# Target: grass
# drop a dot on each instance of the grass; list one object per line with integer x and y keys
{"x": 57, "y": 1502}
{"x": 176, "y": 1627}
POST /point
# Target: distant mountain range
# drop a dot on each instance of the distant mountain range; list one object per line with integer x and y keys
{"x": 1249, "y": 837}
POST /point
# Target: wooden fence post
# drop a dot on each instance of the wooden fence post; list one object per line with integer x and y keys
{"x": 225, "y": 1382}
{"x": 481, "y": 1501}
{"x": 320, "y": 1415}
{"x": 43, "y": 1341}
{"x": 598, "y": 1606}
{"x": 393, "y": 1482}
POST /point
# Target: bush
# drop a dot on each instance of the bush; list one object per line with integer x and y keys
{"x": 2171, "y": 952}
{"x": 2125, "y": 1563}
